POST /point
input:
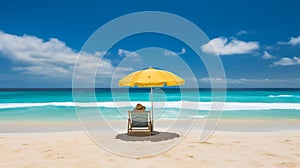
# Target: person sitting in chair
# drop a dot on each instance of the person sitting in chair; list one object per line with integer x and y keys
{"x": 139, "y": 107}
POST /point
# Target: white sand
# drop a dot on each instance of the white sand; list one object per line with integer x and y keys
{"x": 223, "y": 149}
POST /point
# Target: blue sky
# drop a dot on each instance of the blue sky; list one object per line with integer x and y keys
{"x": 257, "y": 41}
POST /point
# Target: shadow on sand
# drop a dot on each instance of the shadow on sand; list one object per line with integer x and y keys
{"x": 155, "y": 137}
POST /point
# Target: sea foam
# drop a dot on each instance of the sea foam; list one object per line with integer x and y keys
{"x": 170, "y": 104}
{"x": 276, "y": 96}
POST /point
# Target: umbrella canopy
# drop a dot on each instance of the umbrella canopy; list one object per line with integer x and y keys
{"x": 151, "y": 77}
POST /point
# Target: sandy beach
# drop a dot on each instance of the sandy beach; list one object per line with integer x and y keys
{"x": 149, "y": 84}
{"x": 279, "y": 148}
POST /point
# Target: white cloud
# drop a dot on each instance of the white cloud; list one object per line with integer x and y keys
{"x": 249, "y": 81}
{"x": 221, "y": 46}
{"x": 52, "y": 58}
{"x": 293, "y": 41}
{"x": 51, "y": 71}
{"x": 267, "y": 56}
{"x": 214, "y": 80}
{"x": 270, "y": 48}
{"x": 130, "y": 54}
{"x": 285, "y": 61}
{"x": 242, "y": 32}
{"x": 172, "y": 53}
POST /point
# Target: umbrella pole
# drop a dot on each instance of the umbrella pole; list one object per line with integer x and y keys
{"x": 151, "y": 92}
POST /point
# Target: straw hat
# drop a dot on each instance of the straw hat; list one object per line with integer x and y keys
{"x": 140, "y": 107}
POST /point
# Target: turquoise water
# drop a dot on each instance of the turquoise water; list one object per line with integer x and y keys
{"x": 58, "y": 104}
{"x": 236, "y": 95}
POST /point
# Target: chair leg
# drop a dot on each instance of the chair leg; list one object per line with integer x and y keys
{"x": 128, "y": 127}
{"x": 150, "y": 129}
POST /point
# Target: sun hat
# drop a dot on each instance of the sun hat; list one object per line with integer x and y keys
{"x": 140, "y": 107}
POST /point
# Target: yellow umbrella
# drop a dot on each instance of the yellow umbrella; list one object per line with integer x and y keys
{"x": 151, "y": 77}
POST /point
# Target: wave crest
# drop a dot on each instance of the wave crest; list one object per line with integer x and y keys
{"x": 171, "y": 104}
{"x": 276, "y": 96}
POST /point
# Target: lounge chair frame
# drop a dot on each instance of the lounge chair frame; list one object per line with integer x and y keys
{"x": 139, "y": 122}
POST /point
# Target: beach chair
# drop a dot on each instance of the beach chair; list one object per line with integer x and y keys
{"x": 139, "y": 122}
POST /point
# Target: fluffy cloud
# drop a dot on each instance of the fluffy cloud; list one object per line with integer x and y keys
{"x": 52, "y": 58}
{"x": 267, "y": 56}
{"x": 221, "y": 46}
{"x": 285, "y": 61}
{"x": 172, "y": 53}
{"x": 293, "y": 41}
{"x": 242, "y": 32}
{"x": 214, "y": 80}
{"x": 130, "y": 54}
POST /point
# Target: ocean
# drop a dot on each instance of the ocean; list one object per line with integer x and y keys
{"x": 58, "y": 104}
